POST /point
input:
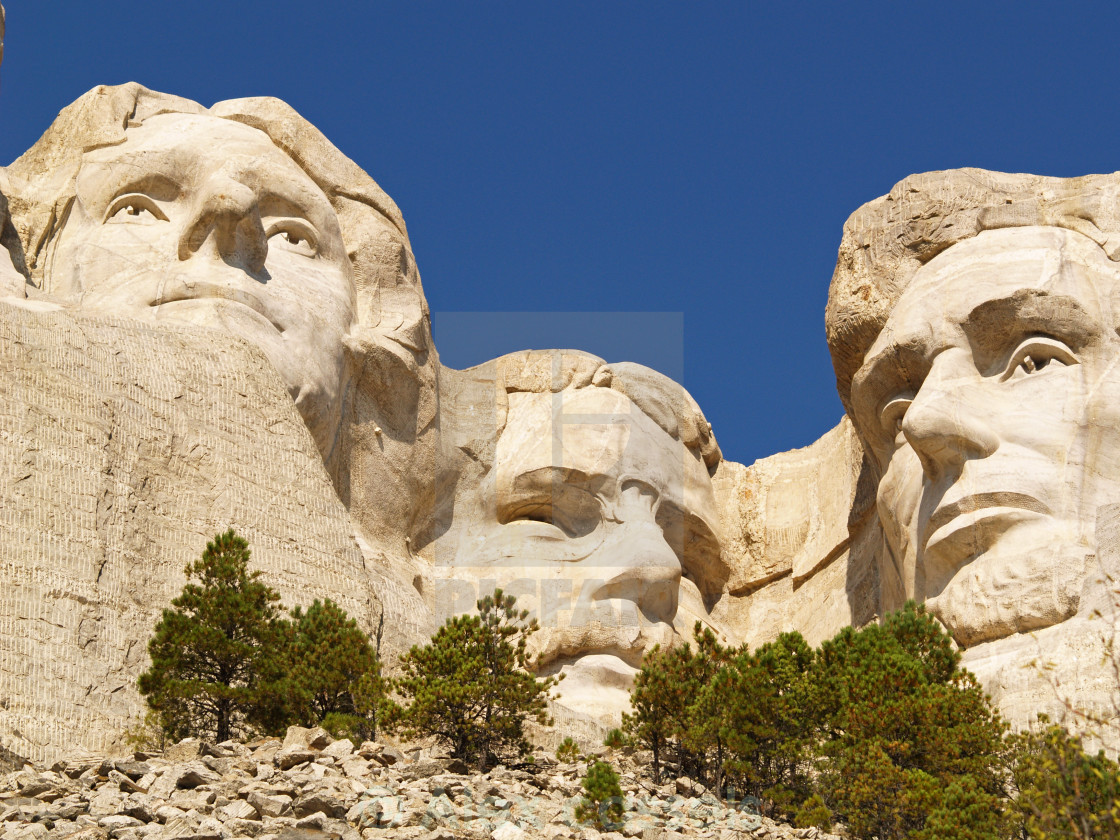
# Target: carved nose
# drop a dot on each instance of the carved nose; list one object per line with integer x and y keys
{"x": 651, "y": 578}
{"x": 227, "y": 219}
{"x": 946, "y": 425}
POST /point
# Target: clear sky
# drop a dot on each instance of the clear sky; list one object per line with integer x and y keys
{"x": 654, "y": 182}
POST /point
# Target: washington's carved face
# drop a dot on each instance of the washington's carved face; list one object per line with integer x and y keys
{"x": 201, "y": 220}
{"x": 991, "y": 401}
{"x": 595, "y": 518}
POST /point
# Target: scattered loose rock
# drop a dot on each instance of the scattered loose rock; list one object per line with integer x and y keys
{"x": 309, "y": 787}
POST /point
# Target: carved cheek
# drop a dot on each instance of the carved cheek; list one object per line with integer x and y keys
{"x": 898, "y": 501}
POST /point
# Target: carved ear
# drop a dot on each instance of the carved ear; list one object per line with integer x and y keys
{"x": 393, "y": 380}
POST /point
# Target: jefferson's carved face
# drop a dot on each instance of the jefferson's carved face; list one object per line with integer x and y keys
{"x": 200, "y": 220}
{"x": 596, "y": 519}
{"x": 991, "y": 401}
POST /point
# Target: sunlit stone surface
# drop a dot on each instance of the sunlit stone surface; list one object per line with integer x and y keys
{"x": 974, "y": 333}
{"x": 211, "y": 318}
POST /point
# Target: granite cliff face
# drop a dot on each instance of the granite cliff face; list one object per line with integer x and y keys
{"x": 123, "y": 450}
{"x": 211, "y": 318}
{"x": 973, "y": 328}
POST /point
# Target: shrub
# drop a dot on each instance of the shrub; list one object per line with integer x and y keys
{"x": 1064, "y": 792}
{"x": 214, "y": 670}
{"x": 471, "y": 686}
{"x": 568, "y": 751}
{"x": 616, "y": 739}
{"x": 813, "y": 813}
{"x": 602, "y": 799}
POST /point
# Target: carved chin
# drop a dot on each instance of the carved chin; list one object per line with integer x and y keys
{"x": 994, "y": 597}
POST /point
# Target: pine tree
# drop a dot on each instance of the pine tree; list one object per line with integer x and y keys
{"x": 910, "y": 745}
{"x": 335, "y": 673}
{"x": 704, "y": 734}
{"x": 1064, "y": 793}
{"x": 568, "y": 751}
{"x": 471, "y": 686}
{"x": 664, "y": 690}
{"x": 759, "y": 702}
{"x": 214, "y": 668}
{"x": 602, "y": 799}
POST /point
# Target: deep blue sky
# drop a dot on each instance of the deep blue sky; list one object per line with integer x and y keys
{"x": 696, "y": 159}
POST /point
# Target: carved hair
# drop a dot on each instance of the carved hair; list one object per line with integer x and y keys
{"x": 661, "y": 399}
{"x": 41, "y": 185}
{"x": 887, "y": 240}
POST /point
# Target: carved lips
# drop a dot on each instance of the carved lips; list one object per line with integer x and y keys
{"x": 197, "y": 290}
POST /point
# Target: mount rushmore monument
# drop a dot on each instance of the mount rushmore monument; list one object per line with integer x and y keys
{"x": 212, "y": 318}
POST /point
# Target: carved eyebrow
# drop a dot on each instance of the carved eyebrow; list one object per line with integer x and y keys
{"x": 155, "y": 184}
{"x": 898, "y": 365}
{"x": 993, "y": 324}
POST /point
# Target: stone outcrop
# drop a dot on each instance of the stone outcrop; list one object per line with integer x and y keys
{"x": 800, "y": 536}
{"x": 212, "y": 318}
{"x": 308, "y": 787}
{"x": 123, "y": 449}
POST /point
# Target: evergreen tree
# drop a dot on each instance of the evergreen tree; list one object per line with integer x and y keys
{"x": 471, "y": 686}
{"x": 662, "y": 696}
{"x": 703, "y": 734}
{"x": 214, "y": 668}
{"x": 909, "y": 742}
{"x": 602, "y": 799}
{"x": 760, "y": 702}
{"x": 568, "y": 751}
{"x": 1064, "y": 793}
{"x": 335, "y": 673}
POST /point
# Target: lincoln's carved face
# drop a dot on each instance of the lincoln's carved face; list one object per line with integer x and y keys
{"x": 201, "y": 220}
{"x": 991, "y": 401}
{"x": 596, "y": 519}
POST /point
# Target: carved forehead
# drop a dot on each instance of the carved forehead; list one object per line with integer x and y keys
{"x": 968, "y": 282}
{"x": 585, "y": 430}
{"x": 171, "y": 130}
{"x": 889, "y": 240}
{"x": 181, "y": 142}
{"x": 596, "y": 435}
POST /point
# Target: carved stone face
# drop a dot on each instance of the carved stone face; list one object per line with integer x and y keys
{"x": 595, "y": 518}
{"x": 991, "y": 402}
{"x": 200, "y": 220}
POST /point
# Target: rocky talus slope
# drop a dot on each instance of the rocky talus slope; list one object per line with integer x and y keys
{"x": 308, "y": 787}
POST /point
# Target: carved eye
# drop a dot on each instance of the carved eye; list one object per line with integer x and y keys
{"x": 890, "y": 418}
{"x": 1036, "y": 354}
{"x": 294, "y": 235}
{"x": 559, "y": 511}
{"x": 134, "y": 208}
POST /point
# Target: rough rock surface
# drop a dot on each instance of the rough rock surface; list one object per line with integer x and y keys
{"x": 596, "y": 493}
{"x": 799, "y": 536}
{"x": 123, "y": 449}
{"x": 972, "y": 326}
{"x": 294, "y": 791}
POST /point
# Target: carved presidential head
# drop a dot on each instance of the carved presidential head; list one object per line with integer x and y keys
{"x": 241, "y": 217}
{"x": 973, "y": 320}
{"x": 595, "y": 509}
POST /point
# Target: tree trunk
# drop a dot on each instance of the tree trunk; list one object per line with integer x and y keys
{"x": 223, "y": 721}
{"x": 719, "y": 768}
